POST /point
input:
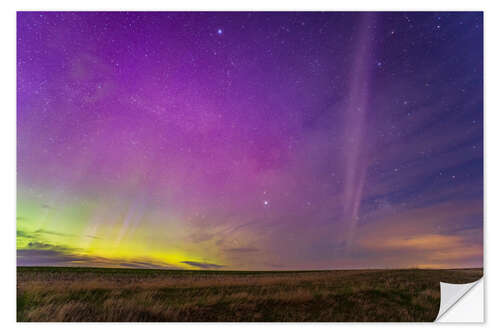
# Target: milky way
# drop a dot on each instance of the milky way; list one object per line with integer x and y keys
{"x": 250, "y": 140}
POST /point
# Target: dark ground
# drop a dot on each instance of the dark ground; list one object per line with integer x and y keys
{"x": 105, "y": 294}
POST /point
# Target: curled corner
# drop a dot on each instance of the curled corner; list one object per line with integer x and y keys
{"x": 451, "y": 294}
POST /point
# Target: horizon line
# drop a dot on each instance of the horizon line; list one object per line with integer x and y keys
{"x": 236, "y": 270}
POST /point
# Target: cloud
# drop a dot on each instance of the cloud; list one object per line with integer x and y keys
{"x": 38, "y": 232}
{"x": 419, "y": 242}
{"x": 54, "y": 233}
{"x": 40, "y": 254}
{"x": 241, "y": 250}
{"x": 94, "y": 237}
{"x": 439, "y": 235}
{"x": 201, "y": 236}
{"x": 35, "y": 245}
{"x": 23, "y": 234}
{"x": 202, "y": 264}
{"x": 143, "y": 264}
{"x": 46, "y": 257}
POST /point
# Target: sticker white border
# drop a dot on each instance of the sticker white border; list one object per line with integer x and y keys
{"x": 462, "y": 303}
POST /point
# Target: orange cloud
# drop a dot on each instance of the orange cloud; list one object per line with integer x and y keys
{"x": 420, "y": 242}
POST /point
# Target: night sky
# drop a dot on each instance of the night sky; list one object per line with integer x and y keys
{"x": 255, "y": 141}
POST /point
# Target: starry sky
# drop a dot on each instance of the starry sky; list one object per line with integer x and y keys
{"x": 250, "y": 140}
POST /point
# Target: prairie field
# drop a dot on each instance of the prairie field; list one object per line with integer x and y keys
{"x": 137, "y": 295}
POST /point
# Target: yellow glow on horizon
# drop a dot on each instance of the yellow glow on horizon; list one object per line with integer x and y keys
{"x": 77, "y": 228}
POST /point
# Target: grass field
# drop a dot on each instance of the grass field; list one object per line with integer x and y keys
{"x": 97, "y": 294}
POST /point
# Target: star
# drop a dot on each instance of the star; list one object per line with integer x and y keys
{"x": 219, "y": 31}
{"x": 266, "y": 203}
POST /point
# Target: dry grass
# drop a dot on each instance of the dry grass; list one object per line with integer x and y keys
{"x": 71, "y": 294}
